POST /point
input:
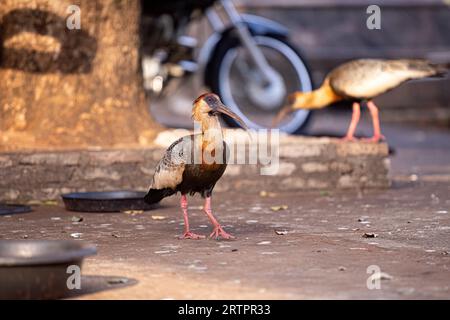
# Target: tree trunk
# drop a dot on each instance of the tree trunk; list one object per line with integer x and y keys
{"x": 63, "y": 88}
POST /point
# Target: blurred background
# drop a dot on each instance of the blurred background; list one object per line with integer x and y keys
{"x": 67, "y": 87}
{"x": 326, "y": 33}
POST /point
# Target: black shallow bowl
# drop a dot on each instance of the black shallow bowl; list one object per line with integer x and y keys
{"x": 9, "y": 209}
{"x": 111, "y": 201}
{"x": 37, "y": 269}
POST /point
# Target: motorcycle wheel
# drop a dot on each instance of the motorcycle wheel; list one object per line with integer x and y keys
{"x": 236, "y": 82}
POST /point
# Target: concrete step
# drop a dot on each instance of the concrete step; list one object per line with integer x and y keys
{"x": 302, "y": 162}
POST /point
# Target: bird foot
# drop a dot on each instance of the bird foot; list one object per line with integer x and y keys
{"x": 192, "y": 236}
{"x": 348, "y": 138}
{"x": 375, "y": 138}
{"x": 219, "y": 232}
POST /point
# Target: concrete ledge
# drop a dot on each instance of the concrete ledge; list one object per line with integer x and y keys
{"x": 305, "y": 163}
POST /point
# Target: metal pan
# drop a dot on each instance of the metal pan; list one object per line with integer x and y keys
{"x": 112, "y": 201}
{"x": 9, "y": 209}
{"x": 38, "y": 269}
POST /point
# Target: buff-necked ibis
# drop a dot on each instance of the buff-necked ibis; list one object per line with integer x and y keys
{"x": 361, "y": 81}
{"x": 194, "y": 163}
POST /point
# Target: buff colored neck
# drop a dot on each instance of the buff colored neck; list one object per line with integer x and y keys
{"x": 209, "y": 125}
{"x": 321, "y": 98}
{"x": 211, "y": 130}
{"x": 211, "y": 141}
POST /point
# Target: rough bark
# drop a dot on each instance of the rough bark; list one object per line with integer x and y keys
{"x": 62, "y": 88}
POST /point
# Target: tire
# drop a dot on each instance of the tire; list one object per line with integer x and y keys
{"x": 219, "y": 79}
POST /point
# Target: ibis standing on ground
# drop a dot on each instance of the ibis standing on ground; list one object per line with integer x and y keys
{"x": 194, "y": 163}
{"x": 361, "y": 81}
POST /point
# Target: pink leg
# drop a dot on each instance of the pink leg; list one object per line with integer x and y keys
{"x": 218, "y": 230}
{"x": 187, "y": 233}
{"x": 355, "y": 119}
{"x": 377, "y": 136}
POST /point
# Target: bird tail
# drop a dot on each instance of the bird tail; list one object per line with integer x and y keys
{"x": 156, "y": 195}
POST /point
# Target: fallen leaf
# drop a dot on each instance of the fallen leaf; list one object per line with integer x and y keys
{"x": 381, "y": 276}
{"x": 133, "y": 212}
{"x": 162, "y": 251}
{"x": 34, "y": 202}
{"x": 50, "y": 202}
{"x": 364, "y": 220}
{"x": 370, "y": 235}
{"x": 264, "y": 194}
{"x": 281, "y": 232}
{"x": 76, "y": 235}
{"x": 77, "y": 219}
{"x": 158, "y": 217}
{"x": 279, "y": 208}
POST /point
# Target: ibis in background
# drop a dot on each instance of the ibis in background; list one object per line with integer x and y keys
{"x": 360, "y": 81}
{"x": 194, "y": 163}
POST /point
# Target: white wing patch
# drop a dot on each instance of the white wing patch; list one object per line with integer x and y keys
{"x": 168, "y": 178}
{"x": 169, "y": 171}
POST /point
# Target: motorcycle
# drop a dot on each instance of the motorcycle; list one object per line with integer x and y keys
{"x": 248, "y": 60}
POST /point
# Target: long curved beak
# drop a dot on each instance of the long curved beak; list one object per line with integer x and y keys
{"x": 224, "y": 110}
{"x": 281, "y": 115}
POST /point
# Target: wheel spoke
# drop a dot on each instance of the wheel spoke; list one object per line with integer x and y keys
{"x": 236, "y": 72}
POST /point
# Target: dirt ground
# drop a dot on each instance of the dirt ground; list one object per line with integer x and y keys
{"x": 323, "y": 245}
